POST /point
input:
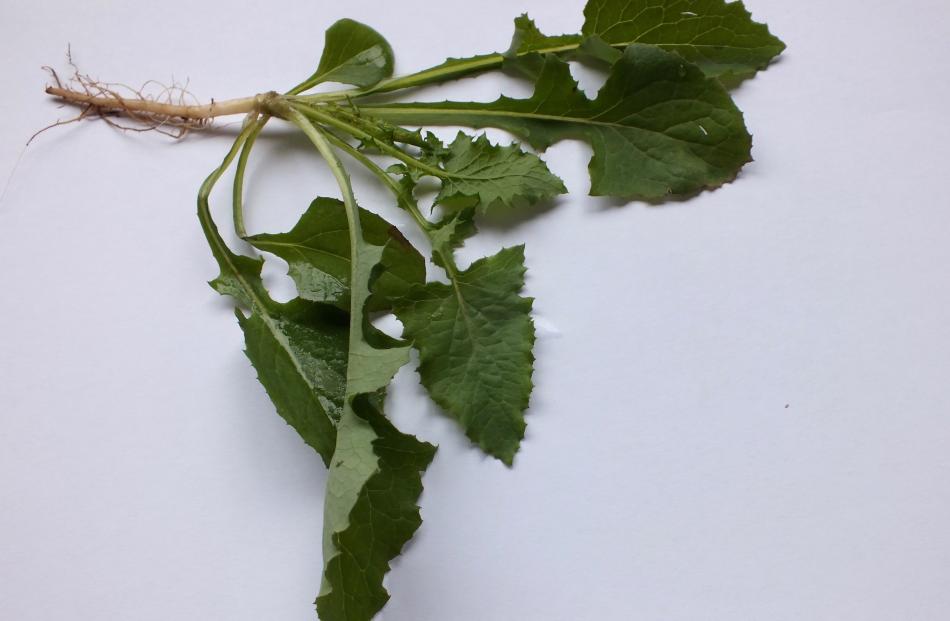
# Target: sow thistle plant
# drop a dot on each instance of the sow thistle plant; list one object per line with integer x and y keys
{"x": 662, "y": 125}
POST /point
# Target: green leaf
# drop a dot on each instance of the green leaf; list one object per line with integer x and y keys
{"x": 317, "y": 251}
{"x": 368, "y": 528}
{"x": 354, "y": 54}
{"x": 662, "y": 124}
{"x": 475, "y": 338}
{"x": 718, "y": 36}
{"x": 326, "y": 373}
{"x": 465, "y": 328}
{"x": 368, "y": 482}
{"x": 483, "y": 174}
{"x": 447, "y": 323}
{"x": 299, "y": 349}
{"x": 658, "y": 126}
{"x": 374, "y": 478}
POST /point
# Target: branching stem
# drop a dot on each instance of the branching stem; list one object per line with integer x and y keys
{"x": 406, "y": 202}
{"x": 315, "y": 113}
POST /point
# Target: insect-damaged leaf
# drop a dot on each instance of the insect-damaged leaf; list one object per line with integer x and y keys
{"x": 326, "y": 372}
{"x": 662, "y": 124}
{"x": 476, "y": 173}
{"x": 375, "y": 472}
{"x": 317, "y": 251}
{"x": 299, "y": 349}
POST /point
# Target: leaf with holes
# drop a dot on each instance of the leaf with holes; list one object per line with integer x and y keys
{"x": 317, "y": 251}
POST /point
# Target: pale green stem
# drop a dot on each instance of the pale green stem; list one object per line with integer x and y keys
{"x": 440, "y": 73}
{"x": 407, "y": 204}
{"x": 448, "y": 258}
{"x": 238, "y": 192}
{"x": 420, "y": 78}
{"x": 218, "y": 247}
{"x": 205, "y": 191}
{"x": 361, "y": 134}
{"x": 433, "y": 75}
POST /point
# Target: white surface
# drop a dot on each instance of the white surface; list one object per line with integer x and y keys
{"x": 741, "y": 409}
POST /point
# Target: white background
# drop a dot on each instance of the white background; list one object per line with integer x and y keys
{"x": 741, "y": 409}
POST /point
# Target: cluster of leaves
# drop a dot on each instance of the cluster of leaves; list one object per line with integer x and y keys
{"x": 663, "y": 124}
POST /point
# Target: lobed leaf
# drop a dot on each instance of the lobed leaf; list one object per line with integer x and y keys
{"x": 479, "y": 173}
{"x": 375, "y": 473}
{"x": 719, "y": 37}
{"x": 658, "y": 126}
{"x": 326, "y": 371}
{"x": 475, "y": 338}
{"x": 662, "y": 124}
{"x": 383, "y": 466}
